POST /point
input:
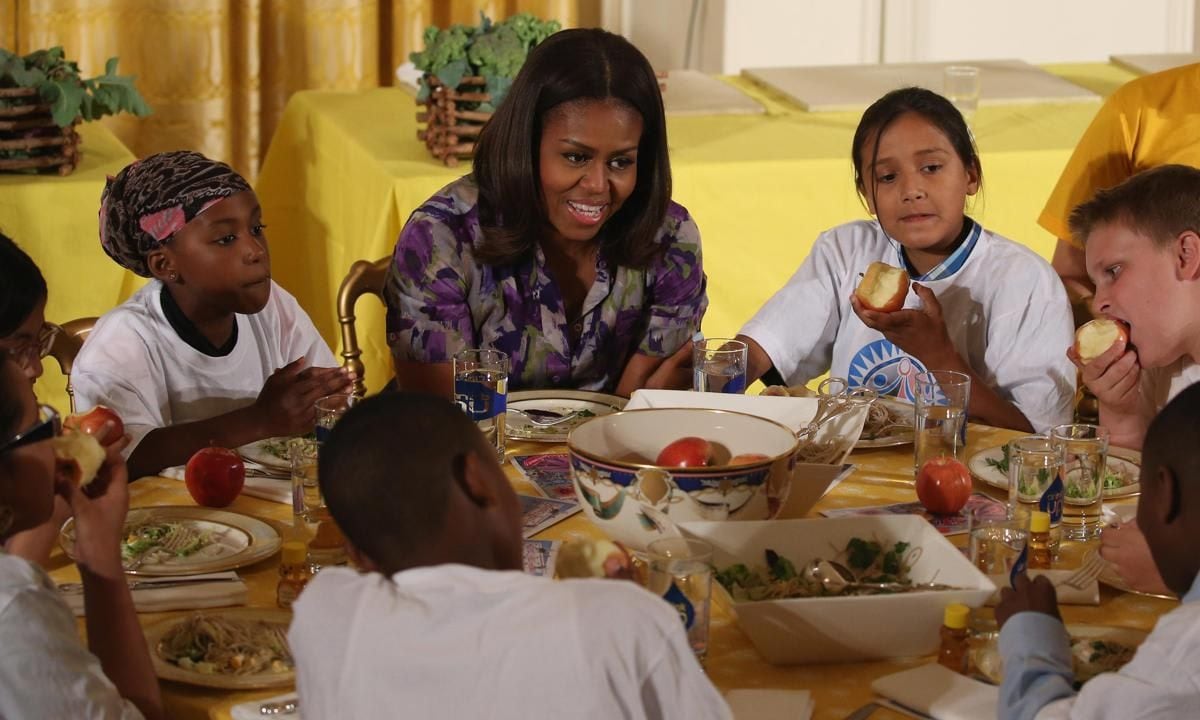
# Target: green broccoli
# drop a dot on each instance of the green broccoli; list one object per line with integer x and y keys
{"x": 442, "y": 47}
{"x": 530, "y": 30}
{"x": 497, "y": 52}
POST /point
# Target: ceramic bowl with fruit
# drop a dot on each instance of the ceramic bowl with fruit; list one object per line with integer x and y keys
{"x": 638, "y": 473}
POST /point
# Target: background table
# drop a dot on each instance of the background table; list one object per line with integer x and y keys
{"x": 882, "y": 476}
{"x": 56, "y": 220}
{"x": 345, "y": 169}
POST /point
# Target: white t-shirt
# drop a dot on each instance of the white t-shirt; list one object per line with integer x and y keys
{"x": 1005, "y": 310}
{"x": 135, "y": 362}
{"x": 45, "y": 672}
{"x": 452, "y": 641}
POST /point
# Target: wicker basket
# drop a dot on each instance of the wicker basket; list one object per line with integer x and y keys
{"x": 450, "y": 128}
{"x": 26, "y": 125}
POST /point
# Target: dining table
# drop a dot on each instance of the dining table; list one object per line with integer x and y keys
{"x": 880, "y": 476}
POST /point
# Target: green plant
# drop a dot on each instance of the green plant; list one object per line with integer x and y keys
{"x": 60, "y": 85}
{"x": 494, "y": 51}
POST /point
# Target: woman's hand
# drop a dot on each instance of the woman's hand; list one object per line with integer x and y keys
{"x": 656, "y": 373}
{"x": 99, "y": 510}
{"x": 1125, "y": 548}
{"x": 920, "y": 332}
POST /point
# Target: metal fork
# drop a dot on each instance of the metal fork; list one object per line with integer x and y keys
{"x": 545, "y": 418}
{"x": 1087, "y": 573}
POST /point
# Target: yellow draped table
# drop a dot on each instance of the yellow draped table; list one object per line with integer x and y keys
{"x": 882, "y": 476}
{"x": 345, "y": 170}
{"x": 55, "y": 220}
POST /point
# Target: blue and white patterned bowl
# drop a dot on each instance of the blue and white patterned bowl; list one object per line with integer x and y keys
{"x": 636, "y": 502}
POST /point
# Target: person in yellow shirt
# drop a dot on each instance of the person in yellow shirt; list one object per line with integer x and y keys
{"x": 1149, "y": 121}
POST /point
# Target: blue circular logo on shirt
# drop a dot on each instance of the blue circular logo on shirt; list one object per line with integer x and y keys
{"x": 886, "y": 369}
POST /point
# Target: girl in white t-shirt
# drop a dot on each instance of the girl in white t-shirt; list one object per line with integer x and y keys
{"x": 980, "y": 304}
{"x": 211, "y": 351}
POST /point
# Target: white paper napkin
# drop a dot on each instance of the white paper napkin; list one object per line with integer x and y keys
{"x": 940, "y": 693}
{"x": 1089, "y": 595}
{"x": 793, "y": 412}
{"x": 770, "y": 704}
{"x": 268, "y": 488}
{"x": 249, "y": 710}
{"x": 223, "y": 590}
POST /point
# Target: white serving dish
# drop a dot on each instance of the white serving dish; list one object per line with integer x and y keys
{"x": 845, "y": 629}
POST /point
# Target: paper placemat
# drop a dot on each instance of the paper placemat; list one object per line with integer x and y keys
{"x": 854, "y": 87}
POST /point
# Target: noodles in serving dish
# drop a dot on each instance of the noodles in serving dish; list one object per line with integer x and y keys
{"x": 216, "y": 645}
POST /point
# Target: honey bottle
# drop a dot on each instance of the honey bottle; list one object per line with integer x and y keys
{"x": 955, "y": 649}
{"x": 294, "y": 573}
{"x": 1039, "y": 540}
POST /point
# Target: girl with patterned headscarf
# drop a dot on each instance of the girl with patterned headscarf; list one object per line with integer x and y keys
{"x": 211, "y": 350}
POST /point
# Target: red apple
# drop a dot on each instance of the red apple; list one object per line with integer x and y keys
{"x": 79, "y": 456}
{"x": 686, "y": 452}
{"x": 214, "y": 476}
{"x": 883, "y": 288}
{"x": 92, "y": 422}
{"x": 943, "y": 485}
{"x": 1094, "y": 338}
{"x": 748, "y": 459}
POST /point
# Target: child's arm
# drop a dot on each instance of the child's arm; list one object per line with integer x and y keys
{"x": 1114, "y": 377}
{"x": 284, "y": 407}
{"x": 114, "y": 634}
{"x": 1034, "y": 647}
{"x": 921, "y": 332}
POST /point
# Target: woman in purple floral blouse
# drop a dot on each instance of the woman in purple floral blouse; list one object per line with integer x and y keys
{"x": 562, "y": 248}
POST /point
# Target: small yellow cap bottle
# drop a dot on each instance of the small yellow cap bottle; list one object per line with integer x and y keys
{"x": 1039, "y": 522}
{"x": 956, "y": 616}
{"x": 294, "y": 552}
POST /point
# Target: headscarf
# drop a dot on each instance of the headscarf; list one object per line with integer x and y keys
{"x": 152, "y": 199}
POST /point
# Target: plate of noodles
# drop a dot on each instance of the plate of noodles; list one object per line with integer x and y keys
{"x": 186, "y": 540}
{"x": 889, "y": 423}
{"x": 236, "y": 649}
{"x": 1094, "y": 650}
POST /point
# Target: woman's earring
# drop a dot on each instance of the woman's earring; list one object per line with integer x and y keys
{"x": 174, "y": 277}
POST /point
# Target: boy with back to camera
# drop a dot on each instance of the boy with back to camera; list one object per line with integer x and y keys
{"x": 1163, "y": 679}
{"x": 1142, "y": 245}
{"x": 443, "y": 623}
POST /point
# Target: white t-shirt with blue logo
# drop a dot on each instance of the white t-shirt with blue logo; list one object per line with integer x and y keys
{"x": 1005, "y": 309}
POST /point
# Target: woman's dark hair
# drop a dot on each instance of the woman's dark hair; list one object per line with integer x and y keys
{"x": 580, "y": 64}
{"x": 933, "y": 107}
{"x": 10, "y": 403}
{"x": 21, "y": 286}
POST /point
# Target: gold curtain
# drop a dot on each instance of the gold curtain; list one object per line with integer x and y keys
{"x": 219, "y": 72}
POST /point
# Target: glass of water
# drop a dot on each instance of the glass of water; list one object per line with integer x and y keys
{"x": 1034, "y": 481}
{"x": 942, "y": 397}
{"x": 719, "y": 365}
{"x": 481, "y": 390}
{"x": 330, "y": 409}
{"x": 1085, "y": 465}
{"x": 997, "y": 547}
{"x": 310, "y": 515}
{"x": 960, "y": 84}
{"x": 681, "y": 573}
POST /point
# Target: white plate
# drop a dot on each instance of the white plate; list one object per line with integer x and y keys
{"x": 899, "y": 410}
{"x": 170, "y": 671}
{"x": 986, "y": 657}
{"x": 271, "y": 452}
{"x": 518, "y": 427}
{"x": 238, "y": 540}
{"x": 986, "y": 473}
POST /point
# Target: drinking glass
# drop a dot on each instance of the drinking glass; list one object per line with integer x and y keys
{"x": 330, "y": 409}
{"x": 942, "y": 398}
{"x": 310, "y": 515}
{"x": 481, "y": 390}
{"x": 1085, "y": 458}
{"x": 997, "y": 547}
{"x": 960, "y": 85}
{"x": 719, "y": 365}
{"x": 1035, "y": 482}
{"x": 681, "y": 574}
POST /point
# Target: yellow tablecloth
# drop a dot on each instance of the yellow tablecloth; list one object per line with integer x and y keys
{"x": 345, "y": 169}
{"x": 55, "y": 220}
{"x": 882, "y": 476}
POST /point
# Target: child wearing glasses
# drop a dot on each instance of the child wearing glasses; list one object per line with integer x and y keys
{"x": 113, "y": 676}
{"x": 211, "y": 350}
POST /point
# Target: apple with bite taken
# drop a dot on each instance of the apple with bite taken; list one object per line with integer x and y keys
{"x": 92, "y": 422}
{"x": 80, "y": 456}
{"x": 215, "y": 476}
{"x": 1094, "y": 338}
{"x": 686, "y": 452}
{"x": 943, "y": 485}
{"x": 883, "y": 288}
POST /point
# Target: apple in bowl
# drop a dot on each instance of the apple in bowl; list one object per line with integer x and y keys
{"x": 883, "y": 288}
{"x": 1094, "y": 338}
